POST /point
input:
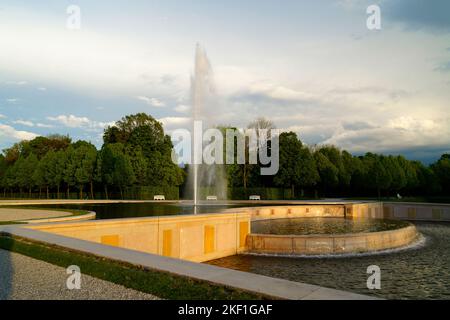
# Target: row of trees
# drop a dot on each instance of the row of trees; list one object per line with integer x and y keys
{"x": 327, "y": 170}
{"x": 135, "y": 152}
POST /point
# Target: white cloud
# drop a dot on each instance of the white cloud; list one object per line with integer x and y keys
{"x": 182, "y": 108}
{"x": 281, "y": 92}
{"x": 151, "y": 101}
{"x": 17, "y": 83}
{"x": 397, "y": 134}
{"x": 10, "y": 132}
{"x": 24, "y": 123}
{"x": 2, "y": 116}
{"x": 87, "y": 59}
{"x": 173, "y": 123}
{"x": 12, "y": 100}
{"x": 42, "y": 89}
{"x": 43, "y": 125}
{"x": 73, "y": 121}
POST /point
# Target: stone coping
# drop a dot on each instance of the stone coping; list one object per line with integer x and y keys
{"x": 332, "y": 243}
{"x": 124, "y": 221}
{"x": 272, "y": 287}
{"x": 429, "y": 204}
{"x": 82, "y": 217}
{"x": 26, "y": 215}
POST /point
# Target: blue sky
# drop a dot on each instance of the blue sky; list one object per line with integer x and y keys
{"x": 311, "y": 66}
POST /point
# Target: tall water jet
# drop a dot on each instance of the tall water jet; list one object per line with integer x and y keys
{"x": 204, "y": 179}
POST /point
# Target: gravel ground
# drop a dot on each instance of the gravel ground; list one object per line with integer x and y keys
{"x": 12, "y": 214}
{"x": 24, "y": 278}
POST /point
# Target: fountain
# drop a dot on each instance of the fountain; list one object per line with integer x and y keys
{"x": 202, "y": 178}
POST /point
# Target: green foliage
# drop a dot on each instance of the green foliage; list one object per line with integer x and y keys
{"x": 289, "y": 173}
{"x": 327, "y": 171}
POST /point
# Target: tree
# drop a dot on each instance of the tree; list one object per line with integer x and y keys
{"x": 442, "y": 170}
{"x": 84, "y": 161}
{"x": 380, "y": 178}
{"x": 327, "y": 171}
{"x": 396, "y": 172}
{"x": 57, "y": 166}
{"x": 289, "y": 172}
{"x": 39, "y": 176}
{"x": 25, "y": 171}
{"x": 334, "y": 155}
{"x": 69, "y": 169}
{"x": 309, "y": 176}
{"x": 123, "y": 174}
{"x": 122, "y": 131}
{"x": 3, "y": 168}
{"x": 140, "y": 165}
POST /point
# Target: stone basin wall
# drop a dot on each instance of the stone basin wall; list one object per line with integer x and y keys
{"x": 293, "y": 211}
{"x": 190, "y": 237}
{"x": 330, "y": 244}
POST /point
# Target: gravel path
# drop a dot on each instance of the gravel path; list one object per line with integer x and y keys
{"x": 24, "y": 278}
{"x": 12, "y": 214}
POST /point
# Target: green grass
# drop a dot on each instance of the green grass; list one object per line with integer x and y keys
{"x": 2, "y": 223}
{"x": 162, "y": 284}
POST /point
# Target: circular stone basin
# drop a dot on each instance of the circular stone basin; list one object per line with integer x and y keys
{"x": 318, "y": 236}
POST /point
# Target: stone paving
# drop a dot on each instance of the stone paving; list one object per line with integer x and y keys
{"x": 13, "y": 214}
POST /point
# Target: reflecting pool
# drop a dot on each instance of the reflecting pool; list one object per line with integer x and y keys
{"x": 417, "y": 273}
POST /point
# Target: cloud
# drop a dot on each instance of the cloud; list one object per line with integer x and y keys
{"x": 356, "y": 126}
{"x": 12, "y": 100}
{"x": 443, "y": 67}
{"x": 2, "y": 116}
{"x": 173, "y": 123}
{"x": 182, "y": 108}
{"x": 24, "y": 123}
{"x": 430, "y": 16}
{"x": 10, "y": 132}
{"x": 17, "y": 83}
{"x": 151, "y": 101}
{"x": 72, "y": 121}
{"x": 43, "y": 125}
{"x": 42, "y": 89}
{"x": 87, "y": 59}
{"x": 400, "y": 133}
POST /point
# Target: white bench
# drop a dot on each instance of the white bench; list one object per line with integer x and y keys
{"x": 254, "y": 197}
{"x": 159, "y": 198}
{"x": 211, "y": 198}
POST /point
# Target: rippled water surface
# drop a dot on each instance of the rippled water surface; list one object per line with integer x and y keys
{"x": 306, "y": 226}
{"x": 420, "y": 273}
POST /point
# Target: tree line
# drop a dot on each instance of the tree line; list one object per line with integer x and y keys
{"x": 325, "y": 170}
{"x": 137, "y": 153}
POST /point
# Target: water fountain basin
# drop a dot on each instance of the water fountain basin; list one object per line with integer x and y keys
{"x": 338, "y": 235}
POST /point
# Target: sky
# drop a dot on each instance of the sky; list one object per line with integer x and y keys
{"x": 312, "y": 67}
